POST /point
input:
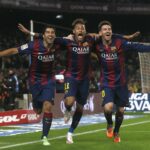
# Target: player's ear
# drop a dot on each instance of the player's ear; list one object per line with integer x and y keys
{"x": 73, "y": 31}
{"x": 100, "y": 33}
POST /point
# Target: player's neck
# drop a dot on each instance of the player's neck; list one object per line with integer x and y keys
{"x": 48, "y": 45}
{"x": 77, "y": 40}
{"x": 106, "y": 43}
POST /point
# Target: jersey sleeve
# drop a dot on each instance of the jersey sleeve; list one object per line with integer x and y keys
{"x": 135, "y": 46}
{"x": 61, "y": 41}
{"x": 26, "y": 48}
{"x": 120, "y": 36}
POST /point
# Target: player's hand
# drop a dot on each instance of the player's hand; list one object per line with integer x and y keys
{"x": 94, "y": 35}
{"x": 23, "y": 29}
{"x": 132, "y": 36}
{"x": 136, "y": 34}
{"x": 69, "y": 37}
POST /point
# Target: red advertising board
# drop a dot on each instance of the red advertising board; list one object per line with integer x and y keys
{"x": 18, "y": 117}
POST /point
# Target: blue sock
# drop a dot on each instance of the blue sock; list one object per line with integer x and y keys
{"x": 108, "y": 116}
{"x": 47, "y": 121}
{"x": 75, "y": 121}
{"x": 118, "y": 121}
{"x": 71, "y": 130}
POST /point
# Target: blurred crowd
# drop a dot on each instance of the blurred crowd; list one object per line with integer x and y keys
{"x": 89, "y": 1}
{"x": 14, "y": 73}
{"x": 13, "y": 84}
{"x": 107, "y": 1}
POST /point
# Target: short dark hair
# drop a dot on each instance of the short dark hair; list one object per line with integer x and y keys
{"x": 47, "y": 26}
{"x": 78, "y": 20}
{"x": 104, "y": 22}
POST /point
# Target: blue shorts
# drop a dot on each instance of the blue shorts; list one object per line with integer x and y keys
{"x": 41, "y": 93}
{"x": 77, "y": 88}
{"x": 117, "y": 95}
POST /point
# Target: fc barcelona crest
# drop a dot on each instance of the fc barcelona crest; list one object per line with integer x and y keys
{"x": 113, "y": 49}
{"x": 85, "y": 44}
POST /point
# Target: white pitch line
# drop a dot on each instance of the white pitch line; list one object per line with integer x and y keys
{"x": 63, "y": 136}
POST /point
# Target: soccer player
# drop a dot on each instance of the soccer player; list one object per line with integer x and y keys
{"x": 77, "y": 74}
{"x": 41, "y": 74}
{"x": 110, "y": 51}
{"x": 78, "y": 54}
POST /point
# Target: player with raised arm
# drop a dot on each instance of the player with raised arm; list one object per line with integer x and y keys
{"x": 78, "y": 54}
{"x": 77, "y": 74}
{"x": 41, "y": 74}
{"x": 110, "y": 51}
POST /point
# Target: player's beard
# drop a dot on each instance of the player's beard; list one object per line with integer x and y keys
{"x": 106, "y": 41}
{"x": 50, "y": 41}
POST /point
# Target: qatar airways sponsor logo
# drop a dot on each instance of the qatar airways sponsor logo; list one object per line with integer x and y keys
{"x": 81, "y": 50}
{"x": 46, "y": 58}
{"x": 109, "y": 56}
{"x": 17, "y": 118}
{"x": 139, "y": 102}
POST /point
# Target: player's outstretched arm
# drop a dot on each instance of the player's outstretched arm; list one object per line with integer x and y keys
{"x": 136, "y": 46}
{"x": 7, "y": 52}
{"x": 69, "y": 37}
{"x": 95, "y": 35}
{"x": 132, "y": 36}
{"x": 23, "y": 29}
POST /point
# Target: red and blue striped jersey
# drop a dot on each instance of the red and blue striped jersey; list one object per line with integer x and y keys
{"x": 112, "y": 60}
{"x": 42, "y": 67}
{"x": 77, "y": 56}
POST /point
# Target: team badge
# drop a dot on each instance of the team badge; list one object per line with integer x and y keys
{"x": 113, "y": 49}
{"x": 85, "y": 44}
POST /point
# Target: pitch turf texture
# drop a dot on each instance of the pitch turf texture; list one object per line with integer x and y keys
{"x": 135, "y": 135}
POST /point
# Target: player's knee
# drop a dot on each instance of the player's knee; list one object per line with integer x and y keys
{"x": 47, "y": 106}
{"x": 69, "y": 101}
{"x": 108, "y": 107}
{"x": 120, "y": 110}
